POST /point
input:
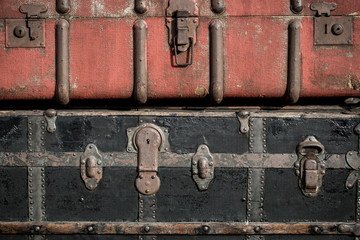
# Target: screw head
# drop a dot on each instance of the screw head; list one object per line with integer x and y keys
{"x": 337, "y": 29}
{"x": 90, "y": 229}
{"x": 19, "y": 31}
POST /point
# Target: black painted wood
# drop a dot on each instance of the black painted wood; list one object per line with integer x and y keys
{"x": 67, "y": 199}
{"x": 74, "y": 133}
{"x": 337, "y": 135}
{"x": 13, "y": 134}
{"x": 284, "y": 201}
{"x": 220, "y": 134}
{"x": 179, "y": 199}
{"x": 13, "y": 194}
{"x": 14, "y": 237}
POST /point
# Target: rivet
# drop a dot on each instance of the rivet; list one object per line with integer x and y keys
{"x": 206, "y": 228}
{"x": 147, "y": 190}
{"x": 257, "y": 229}
{"x": 146, "y": 228}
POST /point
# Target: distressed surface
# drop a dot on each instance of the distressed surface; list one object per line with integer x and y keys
{"x": 255, "y": 57}
{"x": 74, "y": 133}
{"x": 294, "y": 237}
{"x": 284, "y": 201}
{"x": 28, "y": 73}
{"x": 337, "y": 136}
{"x": 180, "y": 200}
{"x": 87, "y": 237}
{"x": 13, "y": 132}
{"x": 14, "y": 194}
{"x": 101, "y": 59}
{"x": 114, "y": 199}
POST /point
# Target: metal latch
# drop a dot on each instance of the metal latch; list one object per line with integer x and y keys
{"x": 147, "y": 140}
{"x": 182, "y": 22}
{"x": 29, "y": 32}
{"x": 50, "y": 118}
{"x": 203, "y": 167}
{"x": 353, "y": 160}
{"x": 244, "y": 117}
{"x": 310, "y": 166}
{"x": 91, "y": 166}
{"x": 330, "y": 30}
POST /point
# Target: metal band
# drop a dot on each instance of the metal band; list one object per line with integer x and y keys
{"x": 358, "y": 202}
{"x": 36, "y": 134}
{"x": 216, "y": 61}
{"x": 147, "y": 213}
{"x": 36, "y": 193}
{"x": 257, "y": 135}
{"x": 62, "y": 62}
{"x": 140, "y": 62}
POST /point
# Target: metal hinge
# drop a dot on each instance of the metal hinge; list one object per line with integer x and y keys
{"x": 310, "y": 166}
{"x": 182, "y": 21}
{"x": 329, "y": 30}
{"x": 29, "y": 32}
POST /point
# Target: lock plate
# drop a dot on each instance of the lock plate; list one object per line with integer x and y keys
{"x": 24, "y": 42}
{"x": 202, "y": 167}
{"x": 333, "y": 30}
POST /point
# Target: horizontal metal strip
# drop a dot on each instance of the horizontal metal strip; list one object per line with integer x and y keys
{"x": 178, "y": 228}
{"x": 125, "y": 159}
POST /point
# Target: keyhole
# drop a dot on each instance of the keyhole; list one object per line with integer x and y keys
{"x": 326, "y": 27}
{"x": 148, "y": 141}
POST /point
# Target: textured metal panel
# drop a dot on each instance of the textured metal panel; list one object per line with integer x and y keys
{"x": 36, "y": 134}
{"x": 13, "y": 134}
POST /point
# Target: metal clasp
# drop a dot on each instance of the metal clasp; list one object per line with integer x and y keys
{"x": 331, "y": 30}
{"x": 91, "y": 166}
{"x": 310, "y": 166}
{"x": 147, "y": 140}
{"x": 182, "y": 22}
{"x": 203, "y": 167}
{"x": 29, "y": 32}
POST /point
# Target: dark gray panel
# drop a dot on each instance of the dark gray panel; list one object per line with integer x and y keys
{"x": 13, "y": 134}
{"x": 74, "y": 133}
{"x": 222, "y": 237}
{"x": 221, "y": 135}
{"x": 285, "y": 202}
{"x": 308, "y": 237}
{"x": 179, "y": 199}
{"x": 13, "y": 194}
{"x": 114, "y": 199}
{"x": 337, "y": 135}
{"x": 89, "y": 237}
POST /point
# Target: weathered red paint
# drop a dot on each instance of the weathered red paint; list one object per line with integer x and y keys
{"x": 28, "y": 73}
{"x": 329, "y": 71}
{"x": 255, "y": 57}
{"x": 101, "y": 58}
{"x": 255, "y": 47}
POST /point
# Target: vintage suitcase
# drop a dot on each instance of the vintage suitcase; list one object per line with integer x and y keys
{"x": 255, "y": 174}
{"x": 177, "y": 49}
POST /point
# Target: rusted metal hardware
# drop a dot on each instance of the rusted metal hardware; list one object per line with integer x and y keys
{"x": 258, "y": 136}
{"x": 63, "y": 6}
{"x": 182, "y": 21}
{"x": 310, "y": 166}
{"x": 29, "y": 32}
{"x": 147, "y": 213}
{"x": 331, "y": 30}
{"x": 294, "y": 62}
{"x": 36, "y": 193}
{"x": 203, "y": 167}
{"x": 181, "y": 228}
{"x": 141, "y": 6}
{"x": 244, "y": 117}
{"x": 50, "y": 118}
{"x": 91, "y": 166}
{"x": 62, "y": 62}
{"x": 216, "y": 61}
{"x": 255, "y": 197}
{"x": 218, "y": 6}
{"x": 140, "y": 62}
{"x": 147, "y": 141}
{"x": 358, "y": 202}
{"x": 353, "y": 160}
{"x": 296, "y": 6}
{"x": 36, "y": 134}
{"x": 131, "y": 132}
